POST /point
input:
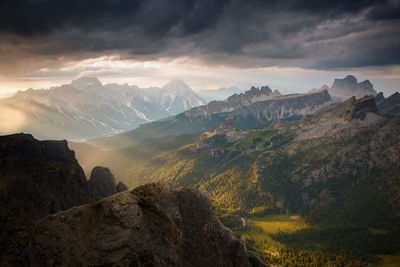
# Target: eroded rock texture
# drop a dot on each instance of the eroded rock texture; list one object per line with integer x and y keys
{"x": 149, "y": 226}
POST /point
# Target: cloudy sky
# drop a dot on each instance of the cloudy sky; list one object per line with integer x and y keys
{"x": 289, "y": 45}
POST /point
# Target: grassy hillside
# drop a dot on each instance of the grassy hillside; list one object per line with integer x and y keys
{"x": 345, "y": 186}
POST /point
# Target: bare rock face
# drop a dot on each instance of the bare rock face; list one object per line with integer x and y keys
{"x": 40, "y": 177}
{"x": 334, "y": 118}
{"x": 342, "y": 89}
{"x": 121, "y": 187}
{"x": 149, "y": 226}
{"x": 102, "y": 182}
{"x": 358, "y": 108}
{"x": 36, "y": 178}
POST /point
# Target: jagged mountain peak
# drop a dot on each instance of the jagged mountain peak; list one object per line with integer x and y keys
{"x": 253, "y": 94}
{"x": 86, "y": 82}
{"x": 177, "y": 85}
{"x": 350, "y": 79}
{"x": 261, "y": 90}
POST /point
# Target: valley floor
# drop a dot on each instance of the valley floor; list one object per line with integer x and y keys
{"x": 287, "y": 240}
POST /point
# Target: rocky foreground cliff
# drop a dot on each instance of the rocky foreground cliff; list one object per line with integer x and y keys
{"x": 149, "y": 226}
{"x": 40, "y": 177}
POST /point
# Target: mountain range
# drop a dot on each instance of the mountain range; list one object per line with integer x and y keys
{"x": 86, "y": 109}
{"x": 306, "y": 180}
{"x": 258, "y": 107}
{"x": 337, "y": 167}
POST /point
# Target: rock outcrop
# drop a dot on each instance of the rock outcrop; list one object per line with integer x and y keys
{"x": 40, "y": 177}
{"x": 343, "y": 89}
{"x": 226, "y": 126}
{"x": 388, "y": 106}
{"x": 334, "y": 118}
{"x": 121, "y": 187}
{"x": 149, "y": 226}
{"x": 102, "y": 182}
{"x": 358, "y": 108}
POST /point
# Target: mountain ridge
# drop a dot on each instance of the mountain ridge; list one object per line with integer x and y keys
{"x": 258, "y": 107}
{"x": 86, "y": 109}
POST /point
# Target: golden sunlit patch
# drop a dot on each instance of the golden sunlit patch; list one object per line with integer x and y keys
{"x": 11, "y": 120}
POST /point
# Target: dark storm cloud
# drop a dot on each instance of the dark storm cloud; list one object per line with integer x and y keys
{"x": 36, "y": 17}
{"x": 310, "y": 34}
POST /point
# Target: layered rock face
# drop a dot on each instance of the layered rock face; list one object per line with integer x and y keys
{"x": 150, "y": 226}
{"x": 262, "y": 103}
{"x": 358, "y": 108}
{"x": 40, "y": 177}
{"x": 334, "y": 118}
{"x": 343, "y": 89}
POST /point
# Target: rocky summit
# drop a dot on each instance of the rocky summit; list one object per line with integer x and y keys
{"x": 150, "y": 226}
{"x": 40, "y": 177}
